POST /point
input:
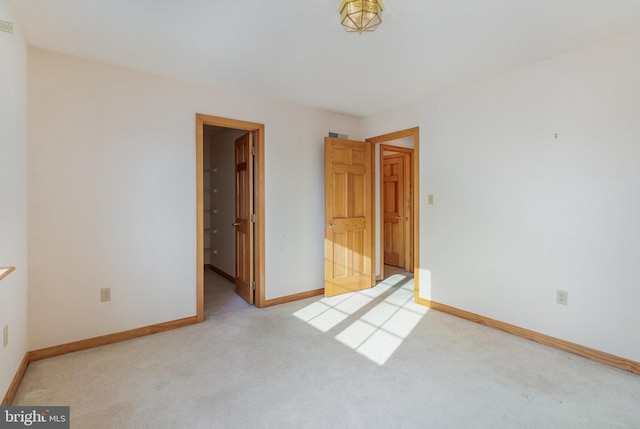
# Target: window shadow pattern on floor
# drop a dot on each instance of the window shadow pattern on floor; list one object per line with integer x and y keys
{"x": 373, "y": 322}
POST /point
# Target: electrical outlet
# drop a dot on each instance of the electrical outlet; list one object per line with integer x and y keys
{"x": 105, "y": 294}
{"x": 6, "y": 335}
{"x": 561, "y": 296}
{"x": 6, "y": 26}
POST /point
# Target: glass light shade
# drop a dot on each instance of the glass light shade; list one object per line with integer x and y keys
{"x": 361, "y": 15}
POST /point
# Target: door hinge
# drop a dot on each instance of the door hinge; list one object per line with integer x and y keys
{"x": 253, "y": 150}
{"x": 253, "y": 286}
{"x": 253, "y": 218}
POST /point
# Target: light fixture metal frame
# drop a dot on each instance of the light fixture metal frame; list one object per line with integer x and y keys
{"x": 358, "y": 27}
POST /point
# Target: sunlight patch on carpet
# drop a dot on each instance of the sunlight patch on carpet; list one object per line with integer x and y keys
{"x": 378, "y": 332}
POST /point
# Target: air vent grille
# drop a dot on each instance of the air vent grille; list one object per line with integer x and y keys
{"x": 338, "y": 135}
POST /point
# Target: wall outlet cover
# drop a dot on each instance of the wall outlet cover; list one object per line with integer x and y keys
{"x": 6, "y": 26}
{"x": 561, "y": 297}
{"x": 105, "y": 294}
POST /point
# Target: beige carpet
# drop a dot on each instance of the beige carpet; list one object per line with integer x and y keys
{"x": 368, "y": 360}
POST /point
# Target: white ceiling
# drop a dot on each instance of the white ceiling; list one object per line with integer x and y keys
{"x": 296, "y": 50}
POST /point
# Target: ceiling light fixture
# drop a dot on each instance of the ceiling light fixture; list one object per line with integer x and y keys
{"x": 361, "y": 15}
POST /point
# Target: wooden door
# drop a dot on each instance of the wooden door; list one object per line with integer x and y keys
{"x": 393, "y": 201}
{"x": 244, "y": 217}
{"x": 349, "y": 216}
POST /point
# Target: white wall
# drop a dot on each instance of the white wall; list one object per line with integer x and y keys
{"x": 519, "y": 213}
{"x": 112, "y": 199}
{"x": 13, "y": 197}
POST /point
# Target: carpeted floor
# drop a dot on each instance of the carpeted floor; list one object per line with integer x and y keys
{"x": 373, "y": 359}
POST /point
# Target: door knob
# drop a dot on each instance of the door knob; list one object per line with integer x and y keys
{"x": 236, "y": 223}
{"x": 331, "y": 225}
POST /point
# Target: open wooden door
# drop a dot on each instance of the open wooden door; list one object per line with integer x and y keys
{"x": 244, "y": 217}
{"x": 349, "y": 217}
{"x": 393, "y": 202}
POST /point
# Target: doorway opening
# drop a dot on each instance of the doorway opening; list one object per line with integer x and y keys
{"x": 397, "y": 168}
{"x": 396, "y": 206}
{"x": 230, "y": 206}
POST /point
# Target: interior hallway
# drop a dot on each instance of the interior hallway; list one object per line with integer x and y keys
{"x": 371, "y": 359}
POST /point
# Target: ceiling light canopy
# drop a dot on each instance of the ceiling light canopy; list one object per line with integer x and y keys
{"x": 361, "y": 15}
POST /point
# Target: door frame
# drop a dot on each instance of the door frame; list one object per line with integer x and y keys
{"x": 415, "y": 215}
{"x": 259, "y": 202}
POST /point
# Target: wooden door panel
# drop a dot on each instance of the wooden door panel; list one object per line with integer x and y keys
{"x": 391, "y": 233}
{"x": 340, "y": 255}
{"x": 359, "y": 157}
{"x": 359, "y": 188}
{"x": 348, "y": 216}
{"x": 394, "y": 210}
{"x": 340, "y": 203}
{"x": 349, "y": 263}
{"x": 391, "y": 197}
{"x": 348, "y": 253}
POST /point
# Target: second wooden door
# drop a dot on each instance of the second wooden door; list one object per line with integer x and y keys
{"x": 244, "y": 217}
{"x": 349, "y": 198}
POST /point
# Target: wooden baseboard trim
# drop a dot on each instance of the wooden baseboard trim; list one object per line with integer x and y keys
{"x": 217, "y": 270}
{"x": 90, "y": 343}
{"x": 291, "y": 298}
{"x": 15, "y": 383}
{"x": 577, "y": 349}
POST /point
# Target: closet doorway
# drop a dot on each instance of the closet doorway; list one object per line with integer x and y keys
{"x": 230, "y": 207}
{"x": 397, "y": 238}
